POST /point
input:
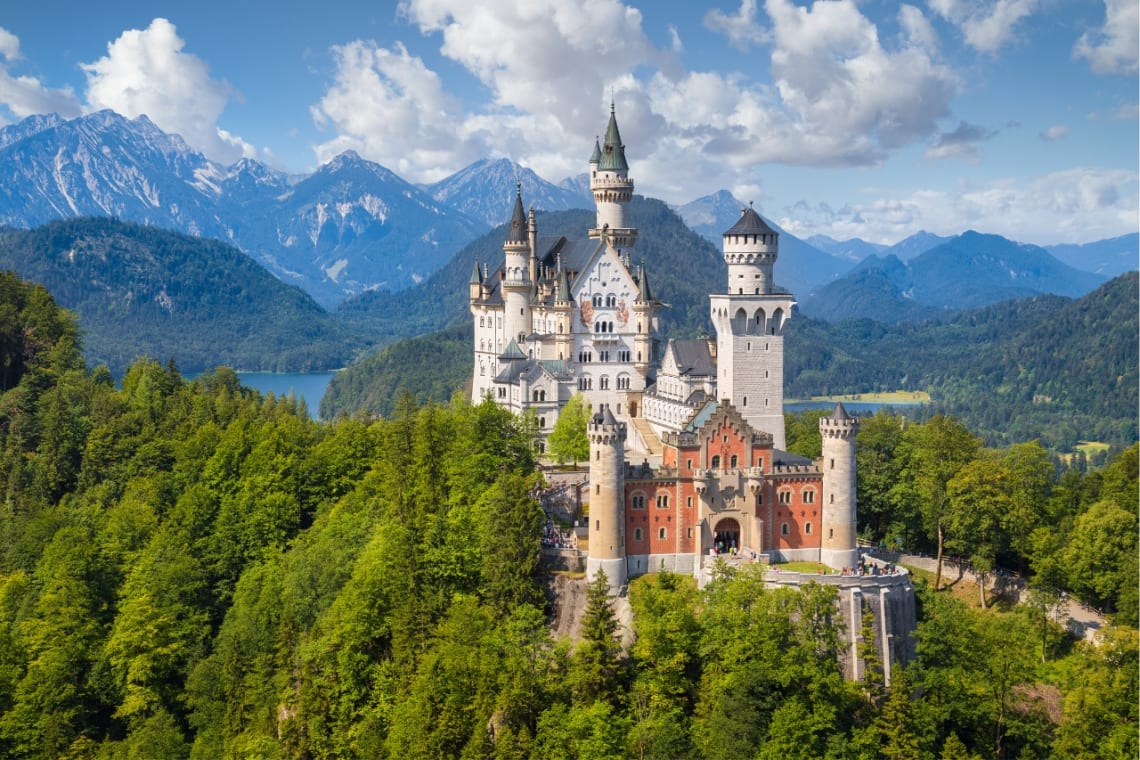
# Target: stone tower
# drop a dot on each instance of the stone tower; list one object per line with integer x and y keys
{"x": 612, "y": 188}
{"x": 517, "y": 283}
{"x": 607, "y": 498}
{"x": 837, "y": 541}
{"x": 749, "y": 318}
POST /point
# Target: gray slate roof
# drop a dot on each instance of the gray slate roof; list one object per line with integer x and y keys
{"x": 750, "y": 223}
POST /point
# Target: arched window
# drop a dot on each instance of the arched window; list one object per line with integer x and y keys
{"x": 597, "y": 299}
{"x": 807, "y": 528}
{"x": 732, "y": 462}
{"x": 783, "y": 529}
{"x": 662, "y": 533}
{"x": 637, "y": 534}
{"x": 715, "y": 463}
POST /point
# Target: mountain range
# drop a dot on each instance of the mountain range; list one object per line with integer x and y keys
{"x": 354, "y": 226}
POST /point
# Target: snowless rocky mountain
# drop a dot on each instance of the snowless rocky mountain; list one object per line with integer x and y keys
{"x": 351, "y": 226}
{"x": 486, "y": 189}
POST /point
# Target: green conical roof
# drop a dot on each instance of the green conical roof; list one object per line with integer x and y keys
{"x": 613, "y": 153}
{"x": 476, "y": 274}
{"x": 596, "y": 156}
{"x": 517, "y": 231}
{"x": 564, "y": 286}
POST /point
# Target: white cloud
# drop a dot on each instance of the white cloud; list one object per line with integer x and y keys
{"x": 740, "y": 28}
{"x": 146, "y": 72}
{"x": 22, "y": 96}
{"x": 839, "y": 82}
{"x": 1073, "y": 206}
{"x": 9, "y": 45}
{"x": 1055, "y": 132}
{"x": 961, "y": 143}
{"x": 1115, "y": 47}
{"x": 987, "y": 26}
{"x": 389, "y": 107}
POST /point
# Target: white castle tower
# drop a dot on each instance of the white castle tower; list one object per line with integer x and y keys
{"x": 612, "y": 188}
{"x": 749, "y": 319}
{"x": 607, "y": 498}
{"x": 837, "y": 542}
{"x": 518, "y": 262}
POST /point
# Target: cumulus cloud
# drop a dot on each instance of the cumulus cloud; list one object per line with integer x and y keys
{"x": 1055, "y": 132}
{"x": 841, "y": 96}
{"x": 741, "y": 28}
{"x": 146, "y": 72}
{"x": 1115, "y": 47}
{"x": 987, "y": 26}
{"x": 389, "y": 107}
{"x": 960, "y": 143}
{"x": 1077, "y": 205}
{"x": 22, "y": 96}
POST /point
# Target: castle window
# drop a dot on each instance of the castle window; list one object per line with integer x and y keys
{"x": 604, "y": 382}
{"x": 785, "y": 497}
{"x": 832, "y": 498}
{"x": 481, "y": 321}
{"x": 598, "y": 455}
{"x": 715, "y": 463}
{"x": 597, "y": 524}
{"x": 637, "y": 534}
{"x": 598, "y": 489}
{"x": 541, "y": 424}
{"x": 688, "y": 464}
{"x": 638, "y": 501}
{"x": 597, "y": 300}
{"x": 833, "y": 464}
{"x": 807, "y": 528}
{"x": 830, "y": 532}
{"x": 662, "y": 533}
{"x": 783, "y": 529}
{"x": 662, "y": 501}
{"x": 745, "y": 401}
{"x": 611, "y": 300}
{"x": 688, "y": 501}
{"x": 732, "y": 462}
{"x": 688, "y": 532}
{"x": 809, "y": 497}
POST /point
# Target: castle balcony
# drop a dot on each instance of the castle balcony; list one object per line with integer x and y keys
{"x": 606, "y": 339}
{"x": 519, "y": 283}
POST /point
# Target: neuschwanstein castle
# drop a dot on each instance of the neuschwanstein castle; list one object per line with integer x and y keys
{"x": 687, "y": 444}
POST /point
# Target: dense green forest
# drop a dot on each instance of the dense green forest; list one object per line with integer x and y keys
{"x": 189, "y": 569}
{"x": 140, "y": 290}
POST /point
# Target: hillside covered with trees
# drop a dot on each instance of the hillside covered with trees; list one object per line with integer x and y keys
{"x": 143, "y": 291}
{"x": 188, "y": 569}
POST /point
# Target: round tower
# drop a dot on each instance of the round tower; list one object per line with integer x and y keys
{"x": 837, "y": 544}
{"x": 607, "y": 498}
{"x": 749, "y": 319}
{"x": 517, "y": 282}
{"x": 612, "y": 189}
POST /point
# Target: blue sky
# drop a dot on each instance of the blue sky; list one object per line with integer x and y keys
{"x": 872, "y": 119}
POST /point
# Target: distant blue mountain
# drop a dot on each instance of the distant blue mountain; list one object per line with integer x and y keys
{"x": 965, "y": 272}
{"x": 1108, "y": 257}
{"x": 854, "y": 249}
{"x": 915, "y": 245}
{"x": 801, "y": 268}
{"x": 351, "y": 226}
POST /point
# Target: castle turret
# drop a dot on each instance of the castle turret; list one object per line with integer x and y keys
{"x": 749, "y": 318}
{"x": 612, "y": 189}
{"x": 837, "y": 542}
{"x": 607, "y": 498}
{"x": 564, "y": 316}
{"x": 517, "y": 282}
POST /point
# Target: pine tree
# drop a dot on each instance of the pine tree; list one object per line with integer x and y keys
{"x": 597, "y": 666}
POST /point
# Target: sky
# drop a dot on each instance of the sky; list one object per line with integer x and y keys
{"x": 850, "y": 118}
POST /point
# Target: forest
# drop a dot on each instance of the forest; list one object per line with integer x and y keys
{"x": 189, "y": 569}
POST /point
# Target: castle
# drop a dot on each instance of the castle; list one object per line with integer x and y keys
{"x": 704, "y": 420}
{"x": 687, "y": 459}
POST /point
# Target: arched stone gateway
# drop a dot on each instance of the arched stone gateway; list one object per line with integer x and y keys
{"x": 726, "y": 536}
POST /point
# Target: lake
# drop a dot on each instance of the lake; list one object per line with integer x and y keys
{"x": 307, "y": 385}
{"x": 858, "y": 408}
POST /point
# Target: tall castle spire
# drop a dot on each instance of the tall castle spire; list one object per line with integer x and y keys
{"x": 612, "y": 189}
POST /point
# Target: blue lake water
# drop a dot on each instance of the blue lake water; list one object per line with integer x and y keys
{"x": 861, "y": 408}
{"x": 308, "y": 385}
